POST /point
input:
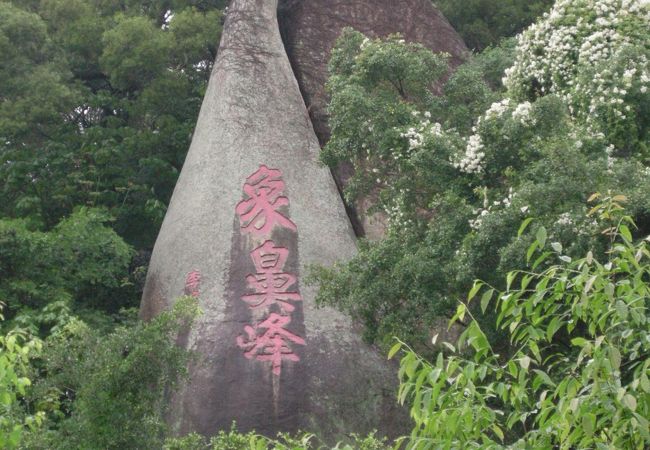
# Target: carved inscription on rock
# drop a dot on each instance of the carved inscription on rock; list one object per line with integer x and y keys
{"x": 273, "y": 291}
{"x": 259, "y": 213}
{"x": 193, "y": 284}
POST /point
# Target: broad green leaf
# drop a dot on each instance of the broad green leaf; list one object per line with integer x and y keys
{"x": 552, "y": 328}
{"x": 630, "y": 401}
{"x": 541, "y": 236}
{"x": 394, "y": 349}
{"x": 523, "y": 226}
{"x": 579, "y": 342}
{"x": 498, "y": 432}
{"x": 589, "y": 424}
{"x": 485, "y": 299}
{"x": 625, "y": 232}
{"x": 544, "y": 377}
{"x": 531, "y": 250}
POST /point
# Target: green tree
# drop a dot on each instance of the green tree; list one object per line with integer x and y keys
{"x": 109, "y": 390}
{"x": 47, "y": 277}
{"x": 98, "y": 104}
{"x": 577, "y": 372}
{"x": 98, "y": 101}
{"x": 456, "y": 174}
{"x": 16, "y": 349}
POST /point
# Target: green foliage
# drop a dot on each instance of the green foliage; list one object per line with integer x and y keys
{"x": 130, "y": 42}
{"x": 107, "y": 391}
{"x": 379, "y": 90}
{"x": 81, "y": 264}
{"x": 482, "y": 23}
{"x": 99, "y": 100}
{"x": 16, "y": 350}
{"x": 455, "y": 175}
{"x": 235, "y": 440}
{"x": 595, "y": 55}
{"x": 577, "y": 373}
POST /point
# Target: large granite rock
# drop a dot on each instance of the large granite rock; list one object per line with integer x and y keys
{"x": 310, "y": 29}
{"x": 251, "y": 211}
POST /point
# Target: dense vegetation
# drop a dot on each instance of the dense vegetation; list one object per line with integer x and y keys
{"x": 99, "y": 100}
{"x": 576, "y": 375}
{"x": 93, "y": 133}
{"x": 456, "y": 174}
{"x": 483, "y": 23}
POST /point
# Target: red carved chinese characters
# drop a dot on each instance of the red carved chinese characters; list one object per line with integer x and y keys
{"x": 272, "y": 343}
{"x": 270, "y": 284}
{"x": 272, "y": 289}
{"x": 192, "y": 283}
{"x": 259, "y": 213}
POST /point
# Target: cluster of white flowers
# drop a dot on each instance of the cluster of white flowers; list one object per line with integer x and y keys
{"x": 476, "y": 223}
{"x": 578, "y": 51}
{"x": 577, "y": 223}
{"x": 415, "y": 138}
{"x": 417, "y": 135}
{"x": 564, "y": 219}
{"x": 472, "y": 160}
{"x": 395, "y": 211}
{"x": 522, "y": 114}
{"x": 610, "y": 150}
{"x": 497, "y": 109}
{"x": 365, "y": 43}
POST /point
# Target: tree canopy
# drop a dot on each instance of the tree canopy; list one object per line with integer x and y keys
{"x": 491, "y": 179}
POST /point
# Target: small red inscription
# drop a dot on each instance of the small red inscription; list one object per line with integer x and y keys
{"x": 270, "y": 284}
{"x": 193, "y": 283}
{"x": 272, "y": 344}
{"x": 259, "y": 213}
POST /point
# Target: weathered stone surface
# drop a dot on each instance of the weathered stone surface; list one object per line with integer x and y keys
{"x": 325, "y": 378}
{"x": 310, "y": 29}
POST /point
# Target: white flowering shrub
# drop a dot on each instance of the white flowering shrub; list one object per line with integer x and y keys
{"x": 473, "y": 157}
{"x": 594, "y": 55}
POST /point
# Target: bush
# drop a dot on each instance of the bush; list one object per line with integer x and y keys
{"x": 107, "y": 391}
{"x": 576, "y": 375}
{"x": 235, "y": 440}
{"x": 16, "y": 350}
{"x": 48, "y": 277}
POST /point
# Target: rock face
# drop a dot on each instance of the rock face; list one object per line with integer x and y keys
{"x": 251, "y": 211}
{"x": 310, "y": 29}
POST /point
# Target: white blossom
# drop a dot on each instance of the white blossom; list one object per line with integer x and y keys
{"x": 497, "y": 109}
{"x": 522, "y": 114}
{"x": 565, "y": 219}
{"x": 471, "y": 162}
